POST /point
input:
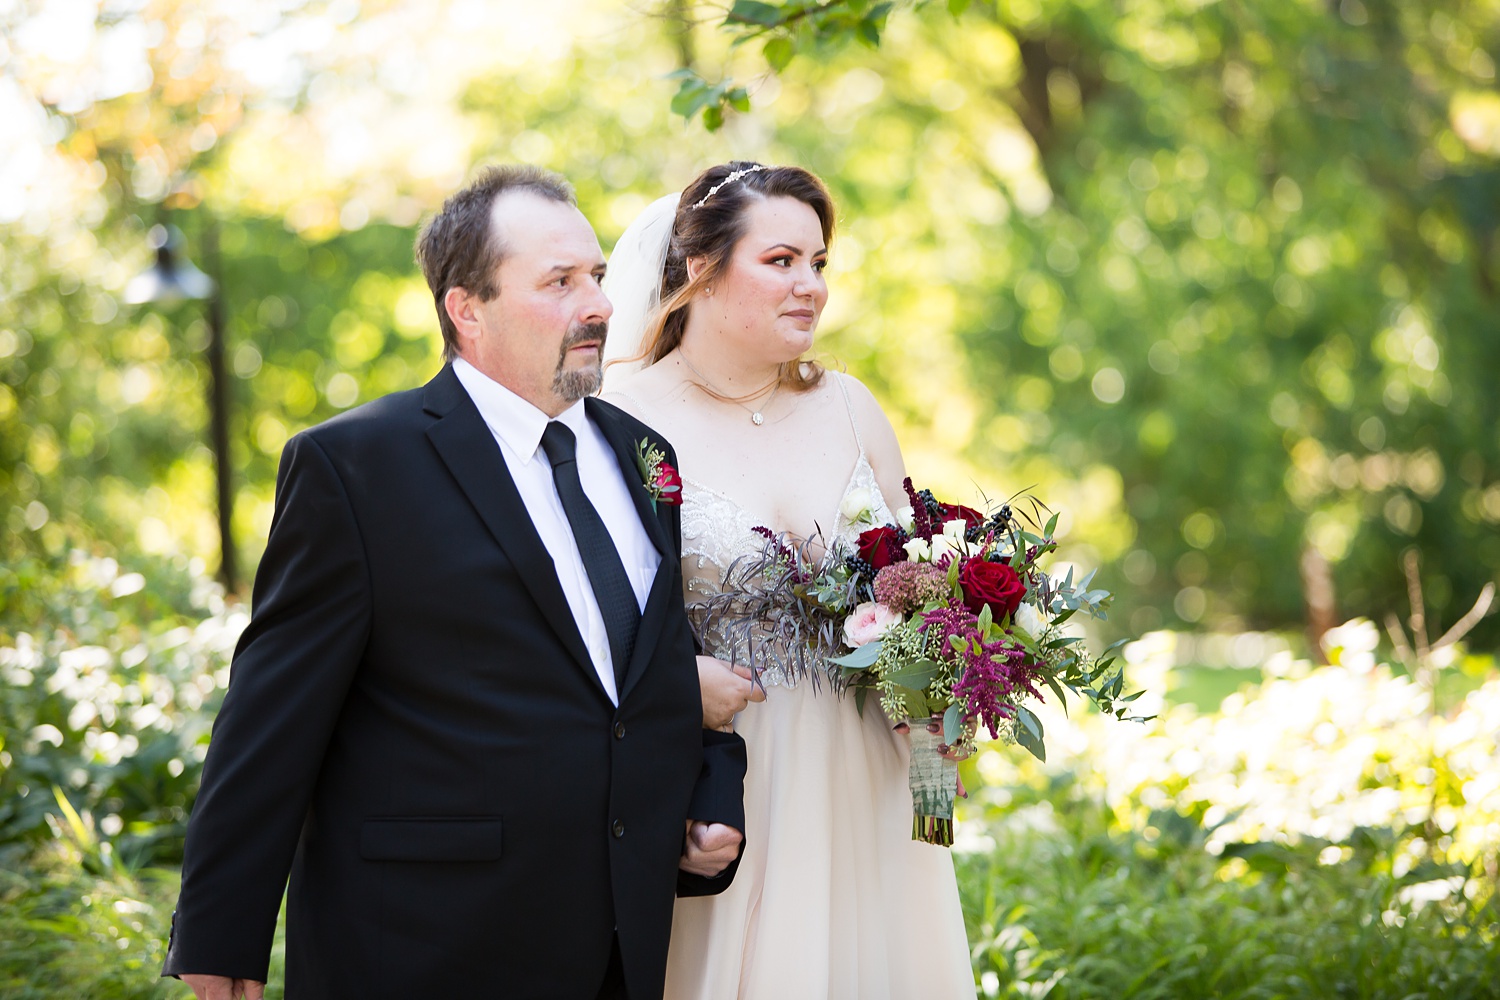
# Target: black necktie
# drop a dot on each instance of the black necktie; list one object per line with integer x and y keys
{"x": 601, "y": 560}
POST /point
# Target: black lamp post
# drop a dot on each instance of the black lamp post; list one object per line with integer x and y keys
{"x": 173, "y": 278}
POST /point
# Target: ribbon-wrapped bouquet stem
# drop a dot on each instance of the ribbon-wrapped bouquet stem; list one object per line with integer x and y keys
{"x": 946, "y": 615}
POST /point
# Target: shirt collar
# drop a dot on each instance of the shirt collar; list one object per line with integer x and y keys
{"x": 516, "y": 422}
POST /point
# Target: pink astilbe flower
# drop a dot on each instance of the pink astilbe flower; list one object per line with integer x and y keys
{"x": 946, "y": 622}
{"x": 992, "y": 684}
{"x": 922, "y": 526}
{"x": 908, "y": 586}
{"x": 994, "y": 677}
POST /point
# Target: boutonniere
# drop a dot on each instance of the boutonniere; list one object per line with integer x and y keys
{"x": 657, "y": 474}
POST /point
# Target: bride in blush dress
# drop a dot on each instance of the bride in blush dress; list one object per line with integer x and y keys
{"x": 717, "y": 298}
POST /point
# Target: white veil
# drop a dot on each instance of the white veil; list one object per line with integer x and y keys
{"x": 633, "y": 284}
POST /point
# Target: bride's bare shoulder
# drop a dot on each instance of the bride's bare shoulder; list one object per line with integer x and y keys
{"x": 881, "y": 445}
{"x": 867, "y": 409}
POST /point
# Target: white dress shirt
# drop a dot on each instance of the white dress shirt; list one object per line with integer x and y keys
{"x": 518, "y": 426}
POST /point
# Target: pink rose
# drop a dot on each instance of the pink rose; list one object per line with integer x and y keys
{"x": 869, "y": 622}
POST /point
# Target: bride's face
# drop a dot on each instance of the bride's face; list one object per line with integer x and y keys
{"x": 766, "y": 304}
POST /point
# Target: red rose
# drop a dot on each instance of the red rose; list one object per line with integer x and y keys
{"x": 952, "y": 511}
{"x": 881, "y": 546}
{"x": 667, "y": 486}
{"x": 992, "y": 583}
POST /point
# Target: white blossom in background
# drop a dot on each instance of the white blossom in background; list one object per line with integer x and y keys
{"x": 119, "y": 689}
{"x": 1313, "y": 752}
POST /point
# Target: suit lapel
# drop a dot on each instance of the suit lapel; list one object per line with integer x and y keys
{"x": 473, "y": 457}
{"x": 653, "y": 620}
{"x": 618, "y": 435}
{"x": 659, "y": 601}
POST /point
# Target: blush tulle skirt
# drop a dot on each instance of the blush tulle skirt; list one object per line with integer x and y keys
{"x": 833, "y": 899}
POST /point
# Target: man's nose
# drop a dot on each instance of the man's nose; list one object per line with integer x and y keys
{"x": 598, "y": 308}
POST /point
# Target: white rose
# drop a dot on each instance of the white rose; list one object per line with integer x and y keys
{"x": 907, "y": 519}
{"x": 1029, "y": 620}
{"x": 942, "y": 548}
{"x": 953, "y": 533}
{"x": 856, "y": 506}
{"x": 917, "y": 550}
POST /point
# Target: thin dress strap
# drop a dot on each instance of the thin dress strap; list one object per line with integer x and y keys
{"x": 838, "y": 378}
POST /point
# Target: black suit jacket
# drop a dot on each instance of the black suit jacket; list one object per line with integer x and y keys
{"x": 414, "y": 729}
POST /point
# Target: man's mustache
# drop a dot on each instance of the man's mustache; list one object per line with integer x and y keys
{"x": 589, "y": 332}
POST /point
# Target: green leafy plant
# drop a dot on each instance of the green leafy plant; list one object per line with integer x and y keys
{"x": 110, "y": 679}
{"x": 1066, "y": 902}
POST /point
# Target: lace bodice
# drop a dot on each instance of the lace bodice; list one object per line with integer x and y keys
{"x": 717, "y": 530}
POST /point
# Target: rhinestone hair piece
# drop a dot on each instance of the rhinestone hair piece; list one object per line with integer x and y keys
{"x": 729, "y": 180}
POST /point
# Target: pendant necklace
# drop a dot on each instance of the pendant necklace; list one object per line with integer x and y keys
{"x": 757, "y": 414}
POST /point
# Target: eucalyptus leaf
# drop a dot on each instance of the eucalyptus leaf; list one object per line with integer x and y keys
{"x": 952, "y": 724}
{"x": 914, "y": 675}
{"x": 915, "y": 701}
{"x": 1062, "y": 697}
{"x": 1029, "y": 721}
{"x": 862, "y": 658}
{"x": 1031, "y": 742}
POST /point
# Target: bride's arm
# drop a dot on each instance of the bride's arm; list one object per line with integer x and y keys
{"x": 881, "y": 446}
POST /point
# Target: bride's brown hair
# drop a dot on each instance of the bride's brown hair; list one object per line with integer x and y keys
{"x": 710, "y": 220}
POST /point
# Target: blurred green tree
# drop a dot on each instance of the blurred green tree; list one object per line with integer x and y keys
{"x": 1244, "y": 254}
{"x": 1218, "y": 279}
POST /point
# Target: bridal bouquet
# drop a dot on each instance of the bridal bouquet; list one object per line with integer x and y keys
{"x": 959, "y": 622}
{"x": 946, "y": 615}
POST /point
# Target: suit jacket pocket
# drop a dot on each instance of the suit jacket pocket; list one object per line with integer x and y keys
{"x": 438, "y": 838}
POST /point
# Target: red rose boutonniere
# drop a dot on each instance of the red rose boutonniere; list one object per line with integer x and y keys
{"x": 657, "y": 474}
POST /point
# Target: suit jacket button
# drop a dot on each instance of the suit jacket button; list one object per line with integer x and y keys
{"x": 617, "y": 828}
{"x": 619, "y": 730}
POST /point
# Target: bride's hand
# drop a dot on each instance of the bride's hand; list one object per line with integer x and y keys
{"x": 727, "y": 690}
{"x": 954, "y": 753}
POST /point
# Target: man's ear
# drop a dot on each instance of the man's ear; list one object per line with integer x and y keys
{"x": 462, "y": 310}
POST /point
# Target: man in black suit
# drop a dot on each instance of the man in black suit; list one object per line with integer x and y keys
{"x": 465, "y": 715}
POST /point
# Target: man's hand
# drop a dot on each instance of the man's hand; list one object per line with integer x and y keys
{"x": 727, "y": 690}
{"x": 224, "y": 988}
{"x": 710, "y": 848}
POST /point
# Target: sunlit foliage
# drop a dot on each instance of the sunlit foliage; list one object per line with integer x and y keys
{"x": 1240, "y": 259}
{"x": 1217, "y": 279}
